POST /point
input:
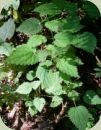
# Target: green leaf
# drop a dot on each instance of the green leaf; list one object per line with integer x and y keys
{"x": 52, "y": 50}
{"x": 54, "y": 90}
{"x": 73, "y": 95}
{"x": 6, "y": 49}
{"x": 30, "y": 75}
{"x": 68, "y": 67}
{"x": 55, "y": 51}
{"x": 28, "y": 103}
{"x": 68, "y": 6}
{"x": 60, "y": 3}
{"x": 91, "y": 9}
{"x": 74, "y": 85}
{"x": 35, "y": 84}
{"x": 52, "y": 87}
{"x": 24, "y": 88}
{"x": 36, "y": 40}
{"x": 7, "y": 30}
{"x": 5, "y": 4}
{"x": 71, "y": 8}
{"x": 92, "y": 98}
{"x": 54, "y": 25}
{"x": 42, "y": 73}
{"x": 47, "y": 9}
{"x": 30, "y": 26}
{"x": 42, "y": 55}
{"x": 47, "y": 63}
{"x": 63, "y": 39}
{"x": 32, "y": 110}
{"x": 39, "y": 103}
{"x": 72, "y": 25}
{"x": 56, "y": 101}
{"x": 79, "y": 116}
{"x": 23, "y": 55}
{"x": 86, "y": 41}
{"x": 47, "y": 79}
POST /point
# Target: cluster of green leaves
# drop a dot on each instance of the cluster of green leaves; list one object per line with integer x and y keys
{"x": 53, "y": 39}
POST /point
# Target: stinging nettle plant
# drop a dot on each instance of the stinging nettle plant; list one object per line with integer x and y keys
{"x": 48, "y": 58}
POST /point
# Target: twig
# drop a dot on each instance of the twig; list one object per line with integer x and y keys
{"x": 59, "y": 116}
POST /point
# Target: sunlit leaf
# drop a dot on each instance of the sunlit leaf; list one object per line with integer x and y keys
{"x": 30, "y": 26}
{"x": 24, "y": 88}
{"x": 5, "y": 4}
{"x": 23, "y": 55}
{"x": 7, "y": 30}
{"x": 39, "y": 103}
